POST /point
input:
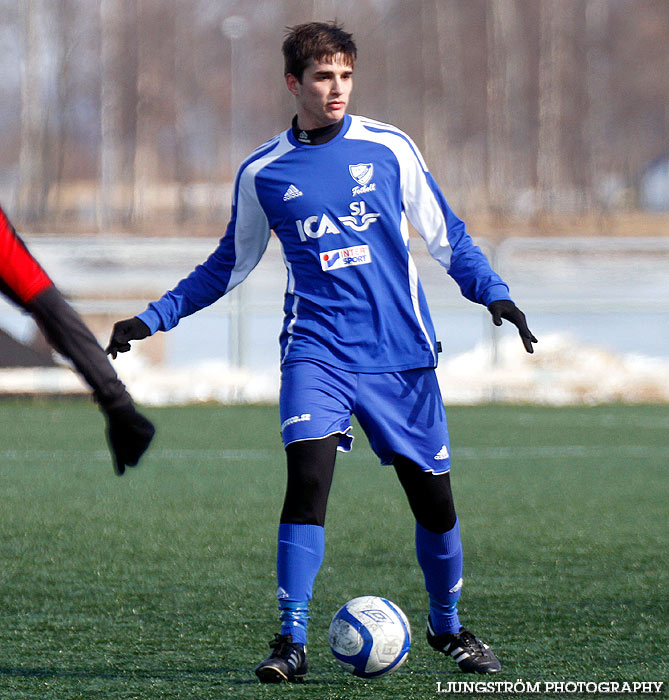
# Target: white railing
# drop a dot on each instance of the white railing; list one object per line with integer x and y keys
{"x": 611, "y": 293}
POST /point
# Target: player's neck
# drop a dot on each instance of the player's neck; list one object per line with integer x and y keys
{"x": 316, "y": 137}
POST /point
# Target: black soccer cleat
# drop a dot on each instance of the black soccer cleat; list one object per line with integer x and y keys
{"x": 471, "y": 654}
{"x": 287, "y": 662}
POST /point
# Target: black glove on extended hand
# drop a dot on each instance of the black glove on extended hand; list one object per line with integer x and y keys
{"x": 129, "y": 434}
{"x": 505, "y": 308}
{"x": 125, "y": 331}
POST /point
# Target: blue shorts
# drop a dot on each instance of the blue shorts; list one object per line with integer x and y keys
{"x": 402, "y": 413}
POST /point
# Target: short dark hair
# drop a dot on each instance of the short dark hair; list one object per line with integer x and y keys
{"x": 317, "y": 41}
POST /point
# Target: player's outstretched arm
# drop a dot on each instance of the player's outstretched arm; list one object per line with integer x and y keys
{"x": 125, "y": 331}
{"x": 129, "y": 433}
{"x": 506, "y": 309}
{"x": 24, "y": 281}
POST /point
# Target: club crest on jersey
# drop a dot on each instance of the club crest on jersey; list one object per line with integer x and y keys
{"x": 360, "y": 219}
{"x": 362, "y": 173}
{"x": 313, "y": 227}
{"x": 345, "y": 257}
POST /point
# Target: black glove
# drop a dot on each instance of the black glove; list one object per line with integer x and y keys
{"x": 129, "y": 434}
{"x": 504, "y": 308}
{"x": 125, "y": 331}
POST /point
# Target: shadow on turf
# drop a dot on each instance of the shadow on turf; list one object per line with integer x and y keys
{"x": 235, "y": 675}
{"x": 161, "y": 674}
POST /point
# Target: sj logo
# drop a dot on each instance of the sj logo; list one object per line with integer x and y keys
{"x": 312, "y": 227}
{"x": 360, "y": 219}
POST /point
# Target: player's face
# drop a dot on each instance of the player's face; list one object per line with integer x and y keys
{"x": 323, "y": 94}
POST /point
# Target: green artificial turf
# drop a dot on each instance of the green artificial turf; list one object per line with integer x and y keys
{"x": 161, "y": 584}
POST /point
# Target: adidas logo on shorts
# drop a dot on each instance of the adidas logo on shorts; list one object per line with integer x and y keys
{"x": 443, "y": 453}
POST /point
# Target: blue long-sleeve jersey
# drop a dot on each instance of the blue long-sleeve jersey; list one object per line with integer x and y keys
{"x": 341, "y": 211}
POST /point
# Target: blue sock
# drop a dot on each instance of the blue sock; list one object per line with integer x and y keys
{"x": 440, "y": 558}
{"x": 299, "y": 557}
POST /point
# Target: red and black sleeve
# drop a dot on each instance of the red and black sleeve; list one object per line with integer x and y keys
{"x": 24, "y": 281}
{"x": 21, "y": 276}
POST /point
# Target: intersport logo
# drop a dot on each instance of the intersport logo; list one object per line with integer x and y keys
{"x": 345, "y": 257}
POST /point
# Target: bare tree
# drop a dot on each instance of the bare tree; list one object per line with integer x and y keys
{"x": 184, "y": 78}
{"x": 444, "y": 129}
{"x": 145, "y": 169}
{"x": 551, "y": 54}
{"x": 597, "y": 83}
{"x": 33, "y": 173}
{"x": 61, "y": 18}
{"x": 115, "y": 203}
{"x": 432, "y": 53}
{"x": 504, "y": 81}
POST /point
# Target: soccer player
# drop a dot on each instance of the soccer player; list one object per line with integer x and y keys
{"x": 24, "y": 281}
{"x": 338, "y": 190}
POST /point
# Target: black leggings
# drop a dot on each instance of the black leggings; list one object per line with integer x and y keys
{"x": 310, "y": 470}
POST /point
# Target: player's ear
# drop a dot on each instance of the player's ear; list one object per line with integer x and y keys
{"x": 293, "y": 84}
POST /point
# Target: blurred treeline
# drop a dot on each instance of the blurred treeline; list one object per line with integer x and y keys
{"x": 135, "y": 113}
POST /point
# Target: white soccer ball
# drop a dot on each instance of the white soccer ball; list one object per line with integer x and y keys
{"x": 370, "y": 636}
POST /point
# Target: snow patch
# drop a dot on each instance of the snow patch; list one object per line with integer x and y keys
{"x": 562, "y": 371}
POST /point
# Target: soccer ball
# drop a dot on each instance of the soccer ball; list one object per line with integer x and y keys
{"x": 370, "y": 636}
